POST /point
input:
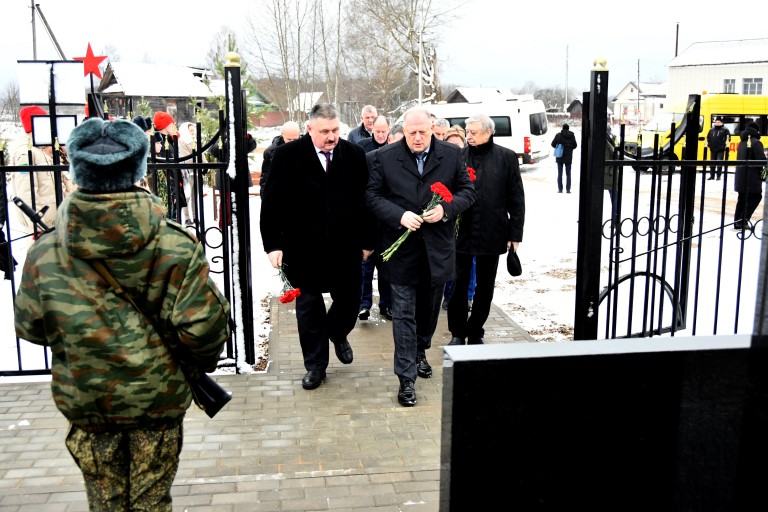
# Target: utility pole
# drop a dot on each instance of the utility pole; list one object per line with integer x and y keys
{"x": 34, "y": 33}
{"x": 50, "y": 32}
{"x": 565, "y": 101}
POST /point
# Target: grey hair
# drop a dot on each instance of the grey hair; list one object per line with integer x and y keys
{"x": 323, "y": 110}
{"x": 486, "y": 123}
{"x": 379, "y": 118}
{"x": 414, "y": 110}
{"x": 442, "y": 123}
{"x": 369, "y": 108}
{"x": 396, "y": 128}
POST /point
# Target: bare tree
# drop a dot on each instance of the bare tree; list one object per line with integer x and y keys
{"x": 9, "y": 102}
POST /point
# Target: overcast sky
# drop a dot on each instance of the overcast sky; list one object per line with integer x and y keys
{"x": 491, "y": 43}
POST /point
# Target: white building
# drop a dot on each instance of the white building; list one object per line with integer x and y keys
{"x": 638, "y": 103}
{"x": 739, "y": 66}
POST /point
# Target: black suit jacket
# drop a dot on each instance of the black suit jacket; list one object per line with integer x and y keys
{"x": 318, "y": 220}
{"x": 395, "y": 187}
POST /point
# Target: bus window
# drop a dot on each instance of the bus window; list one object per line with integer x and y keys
{"x": 503, "y": 126}
{"x": 538, "y": 123}
{"x": 732, "y": 123}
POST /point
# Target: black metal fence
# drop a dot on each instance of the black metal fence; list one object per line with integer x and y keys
{"x": 659, "y": 250}
{"x": 217, "y": 172}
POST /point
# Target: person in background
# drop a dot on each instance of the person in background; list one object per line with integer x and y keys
{"x": 320, "y": 240}
{"x": 395, "y": 133}
{"x": 145, "y": 123}
{"x": 568, "y": 140}
{"x": 187, "y": 144}
{"x": 40, "y": 191}
{"x": 380, "y": 139}
{"x": 113, "y": 375}
{"x": 748, "y": 181}
{"x": 490, "y": 227}
{"x": 289, "y": 132}
{"x": 439, "y": 127}
{"x": 402, "y": 175}
{"x": 718, "y": 138}
{"x": 165, "y": 134}
{"x": 367, "y": 116}
{"x": 456, "y": 135}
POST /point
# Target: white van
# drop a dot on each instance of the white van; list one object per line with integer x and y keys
{"x": 521, "y": 123}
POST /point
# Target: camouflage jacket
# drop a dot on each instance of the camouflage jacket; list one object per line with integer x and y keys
{"x": 111, "y": 370}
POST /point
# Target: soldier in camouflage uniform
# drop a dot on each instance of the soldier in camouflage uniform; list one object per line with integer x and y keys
{"x": 114, "y": 377}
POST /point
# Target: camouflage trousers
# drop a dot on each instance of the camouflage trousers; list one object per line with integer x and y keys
{"x": 131, "y": 470}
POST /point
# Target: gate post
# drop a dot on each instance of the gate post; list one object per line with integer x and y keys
{"x": 241, "y": 239}
{"x": 591, "y": 194}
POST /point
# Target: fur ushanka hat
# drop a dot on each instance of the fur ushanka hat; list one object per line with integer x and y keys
{"x": 107, "y": 156}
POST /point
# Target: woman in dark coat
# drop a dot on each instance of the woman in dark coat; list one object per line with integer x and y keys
{"x": 568, "y": 140}
{"x": 748, "y": 182}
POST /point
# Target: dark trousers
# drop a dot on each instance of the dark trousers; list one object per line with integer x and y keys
{"x": 317, "y": 326}
{"x": 415, "y": 309}
{"x": 560, "y": 176}
{"x": 718, "y": 155}
{"x": 366, "y": 292}
{"x": 746, "y": 205}
{"x": 448, "y": 292}
{"x": 461, "y": 323}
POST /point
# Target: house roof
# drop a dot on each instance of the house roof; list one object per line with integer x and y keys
{"x": 142, "y": 79}
{"x": 645, "y": 89}
{"x": 707, "y": 53}
{"x": 479, "y": 95}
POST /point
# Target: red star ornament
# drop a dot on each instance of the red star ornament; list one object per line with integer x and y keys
{"x": 91, "y": 62}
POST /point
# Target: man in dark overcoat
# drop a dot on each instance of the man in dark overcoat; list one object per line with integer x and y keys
{"x": 493, "y": 225}
{"x": 315, "y": 225}
{"x": 399, "y": 189}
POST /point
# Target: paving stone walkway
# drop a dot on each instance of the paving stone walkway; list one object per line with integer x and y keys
{"x": 346, "y": 446}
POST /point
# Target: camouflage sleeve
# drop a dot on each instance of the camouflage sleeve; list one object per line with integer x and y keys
{"x": 28, "y": 315}
{"x": 200, "y": 314}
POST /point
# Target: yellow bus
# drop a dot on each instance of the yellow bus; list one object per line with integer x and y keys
{"x": 736, "y": 111}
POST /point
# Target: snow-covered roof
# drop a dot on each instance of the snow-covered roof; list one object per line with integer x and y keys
{"x": 707, "y": 53}
{"x": 482, "y": 94}
{"x": 153, "y": 80}
{"x": 649, "y": 89}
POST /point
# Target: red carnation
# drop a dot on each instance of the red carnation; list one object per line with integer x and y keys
{"x": 289, "y": 293}
{"x": 439, "y": 192}
{"x": 472, "y": 174}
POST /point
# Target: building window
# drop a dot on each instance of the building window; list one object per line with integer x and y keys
{"x": 752, "y": 86}
{"x": 729, "y": 85}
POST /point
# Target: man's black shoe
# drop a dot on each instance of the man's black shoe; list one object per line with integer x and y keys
{"x": 364, "y": 314}
{"x": 406, "y": 396}
{"x": 313, "y": 379}
{"x": 475, "y": 341}
{"x": 343, "y": 351}
{"x": 456, "y": 341}
{"x": 387, "y": 313}
{"x": 710, "y": 178}
{"x": 423, "y": 368}
{"x": 445, "y": 304}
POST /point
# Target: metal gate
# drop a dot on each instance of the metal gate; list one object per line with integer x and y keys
{"x": 658, "y": 253}
{"x": 223, "y": 233}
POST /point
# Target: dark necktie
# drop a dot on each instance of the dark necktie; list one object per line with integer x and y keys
{"x": 327, "y": 160}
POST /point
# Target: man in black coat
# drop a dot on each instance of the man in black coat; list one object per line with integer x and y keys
{"x": 568, "y": 141}
{"x": 367, "y": 116}
{"x": 379, "y": 140}
{"x": 399, "y": 189}
{"x": 747, "y": 180}
{"x": 718, "y": 138}
{"x": 289, "y": 132}
{"x": 315, "y": 225}
{"x": 488, "y": 229}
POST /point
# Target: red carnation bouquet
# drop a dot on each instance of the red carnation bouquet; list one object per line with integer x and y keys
{"x": 289, "y": 293}
{"x": 472, "y": 178}
{"x": 439, "y": 193}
